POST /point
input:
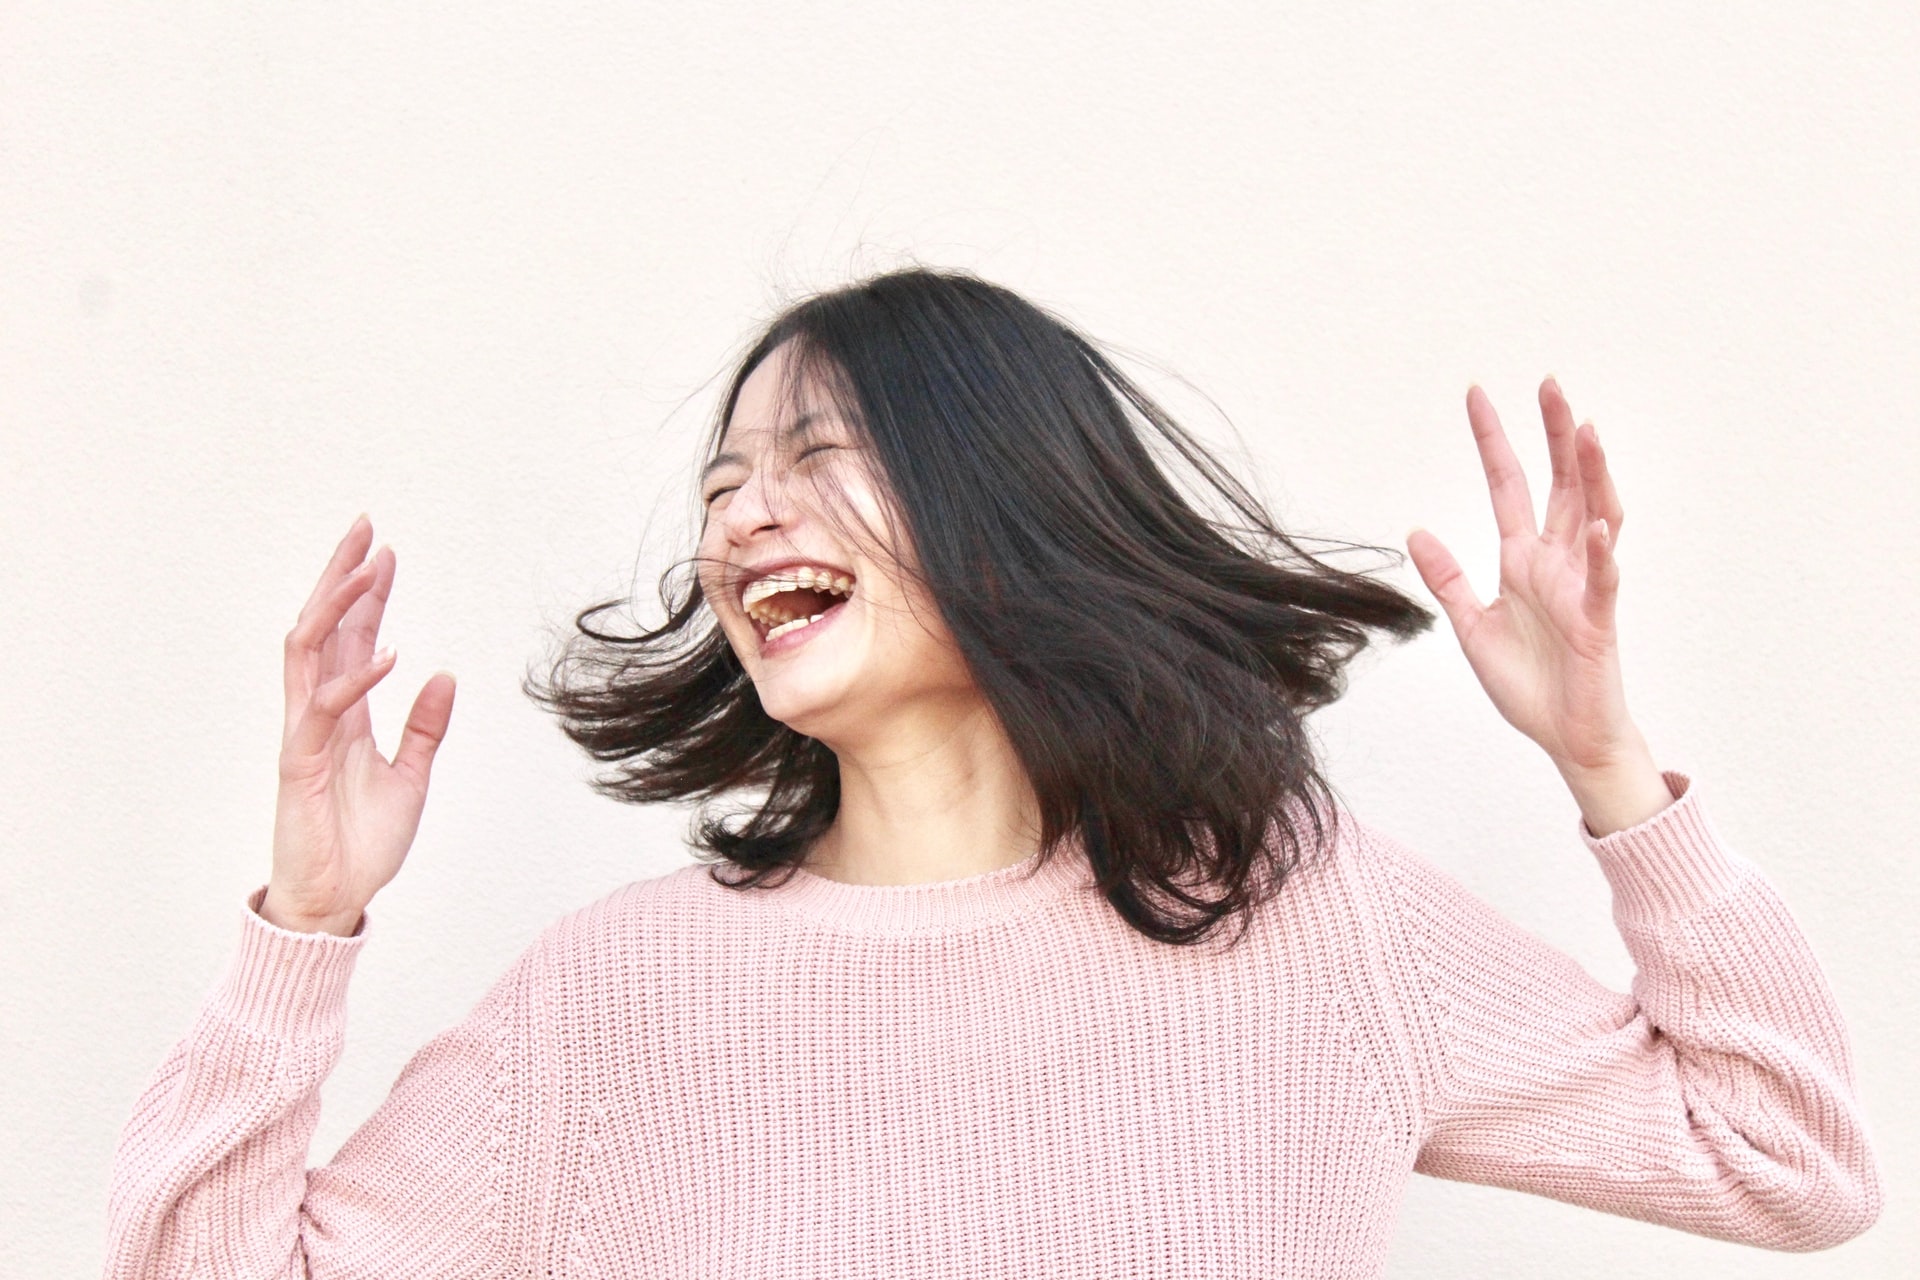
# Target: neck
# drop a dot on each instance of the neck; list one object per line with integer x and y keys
{"x": 942, "y": 800}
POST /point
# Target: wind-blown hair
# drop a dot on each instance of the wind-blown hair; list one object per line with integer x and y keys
{"x": 1151, "y": 663}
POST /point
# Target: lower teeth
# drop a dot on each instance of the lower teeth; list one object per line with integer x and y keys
{"x": 792, "y": 624}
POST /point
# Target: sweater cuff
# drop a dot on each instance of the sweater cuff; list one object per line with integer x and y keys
{"x": 287, "y": 985}
{"x": 1671, "y": 866}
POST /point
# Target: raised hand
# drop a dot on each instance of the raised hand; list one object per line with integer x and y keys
{"x": 345, "y": 817}
{"x": 1546, "y": 650}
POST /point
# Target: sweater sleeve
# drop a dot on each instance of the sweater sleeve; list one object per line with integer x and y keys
{"x": 210, "y": 1177}
{"x": 1716, "y": 1097}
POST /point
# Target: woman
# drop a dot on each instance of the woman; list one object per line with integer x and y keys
{"x": 1051, "y": 953}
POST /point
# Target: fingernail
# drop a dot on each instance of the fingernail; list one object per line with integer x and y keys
{"x": 382, "y": 655}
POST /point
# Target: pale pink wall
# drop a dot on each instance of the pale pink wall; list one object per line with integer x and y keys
{"x": 460, "y": 265}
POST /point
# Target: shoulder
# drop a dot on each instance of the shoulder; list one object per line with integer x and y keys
{"x": 1366, "y": 898}
{"x": 667, "y": 904}
{"x": 647, "y": 930}
{"x": 1350, "y": 860}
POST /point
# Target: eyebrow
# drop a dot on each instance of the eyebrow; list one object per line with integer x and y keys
{"x": 800, "y": 426}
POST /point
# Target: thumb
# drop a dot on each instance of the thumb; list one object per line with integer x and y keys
{"x": 1444, "y": 578}
{"x": 426, "y": 728}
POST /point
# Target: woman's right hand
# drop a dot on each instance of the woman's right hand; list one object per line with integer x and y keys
{"x": 345, "y": 816}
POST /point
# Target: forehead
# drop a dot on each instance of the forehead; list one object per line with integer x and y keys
{"x": 776, "y": 401}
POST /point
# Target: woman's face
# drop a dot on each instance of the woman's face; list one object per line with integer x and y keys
{"x": 795, "y": 529}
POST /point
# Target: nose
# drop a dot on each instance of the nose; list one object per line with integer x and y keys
{"x": 759, "y": 506}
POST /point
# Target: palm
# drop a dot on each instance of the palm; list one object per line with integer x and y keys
{"x": 367, "y": 813}
{"x": 1546, "y": 649}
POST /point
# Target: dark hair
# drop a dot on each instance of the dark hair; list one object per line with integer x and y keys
{"x": 1151, "y": 664}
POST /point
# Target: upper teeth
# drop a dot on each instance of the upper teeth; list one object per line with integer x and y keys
{"x": 801, "y": 579}
{"x": 780, "y": 615}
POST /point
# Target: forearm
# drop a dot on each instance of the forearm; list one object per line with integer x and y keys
{"x": 1729, "y": 986}
{"x": 210, "y": 1177}
{"x": 210, "y": 1167}
{"x": 1716, "y": 1097}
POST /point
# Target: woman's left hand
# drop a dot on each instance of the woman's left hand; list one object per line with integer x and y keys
{"x": 1546, "y": 649}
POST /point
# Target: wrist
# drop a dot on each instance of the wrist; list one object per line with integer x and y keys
{"x": 273, "y": 910}
{"x": 1620, "y": 793}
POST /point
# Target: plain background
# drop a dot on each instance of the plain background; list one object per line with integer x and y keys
{"x": 473, "y": 269}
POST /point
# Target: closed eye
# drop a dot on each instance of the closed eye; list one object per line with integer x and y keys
{"x": 804, "y": 454}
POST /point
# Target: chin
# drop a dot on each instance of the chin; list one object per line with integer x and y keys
{"x": 821, "y": 720}
{"x": 807, "y": 703}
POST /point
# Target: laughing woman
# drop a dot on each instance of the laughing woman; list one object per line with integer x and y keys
{"x": 1026, "y": 937}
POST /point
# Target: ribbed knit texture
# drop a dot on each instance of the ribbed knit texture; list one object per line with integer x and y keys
{"x": 996, "y": 1077}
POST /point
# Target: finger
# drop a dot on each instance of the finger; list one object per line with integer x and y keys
{"x": 1603, "y": 502}
{"x": 354, "y": 639}
{"x": 1603, "y": 577}
{"x": 319, "y": 619}
{"x": 329, "y": 665}
{"x": 330, "y": 703}
{"x": 426, "y": 729}
{"x": 1506, "y": 482}
{"x": 352, "y": 549}
{"x": 361, "y": 622}
{"x": 1444, "y": 578}
{"x": 1567, "y": 499}
{"x": 308, "y": 648}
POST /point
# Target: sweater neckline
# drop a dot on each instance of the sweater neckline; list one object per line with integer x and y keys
{"x": 936, "y": 906}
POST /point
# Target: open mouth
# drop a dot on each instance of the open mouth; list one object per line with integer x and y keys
{"x": 788, "y": 600}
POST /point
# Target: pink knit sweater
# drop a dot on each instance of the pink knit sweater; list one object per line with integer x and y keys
{"x": 997, "y": 1077}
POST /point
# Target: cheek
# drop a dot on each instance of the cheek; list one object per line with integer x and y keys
{"x": 910, "y": 626}
{"x": 710, "y": 555}
{"x": 851, "y": 504}
{"x": 710, "y": 571}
